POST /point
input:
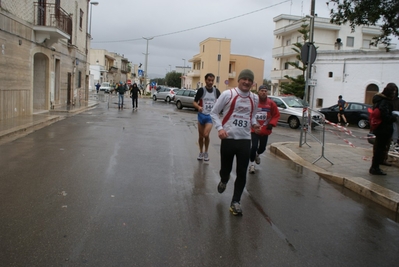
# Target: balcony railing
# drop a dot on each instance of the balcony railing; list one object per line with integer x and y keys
{"x": 52, "y": 15}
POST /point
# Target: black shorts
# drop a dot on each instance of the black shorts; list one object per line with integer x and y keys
{"x": 342, "y": 111}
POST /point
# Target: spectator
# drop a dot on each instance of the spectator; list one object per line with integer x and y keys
{"x": 342, "y": 105}
{"x": 383, "y": 132}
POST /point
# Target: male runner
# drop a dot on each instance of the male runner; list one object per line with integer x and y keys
{"x": 204, "y": 100}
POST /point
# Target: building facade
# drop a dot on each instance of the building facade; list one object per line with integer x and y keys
{"x": 357, "y": 75}
{"x": 215, "y": 57}
{"x": 327, "y": 37}
{"x": 43, "y": 59}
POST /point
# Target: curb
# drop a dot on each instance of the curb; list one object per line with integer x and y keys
{"x": 25, "y": 129}
{"x": 383, "y": 196}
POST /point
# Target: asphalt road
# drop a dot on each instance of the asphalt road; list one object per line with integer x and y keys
{"x": 113, "y": 187}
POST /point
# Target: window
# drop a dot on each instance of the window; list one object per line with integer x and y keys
{"x": 366, "y": 43}
{"x": 203, "y": 48}
{"x": 330, "y": 74}
{"x": 202, "y": 65}
{"x": 288, "y": 42}
{"x": 286, "y": 65}
{"x": 319, "y": 102}
{"x": 299, "y": 39}
{"x": 350, "y": 41}
{"x": 79, "y": 79}
{"x": 186, "y": 93}
{"x": 81, "y": 19}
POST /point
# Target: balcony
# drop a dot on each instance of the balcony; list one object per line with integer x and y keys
{"x": 113, "y": 69}
{"x": 194, "y": 73}
{"x": 232, "y": 75}
{"x": 51, "y": 23}
{"x": 279, "y": 74}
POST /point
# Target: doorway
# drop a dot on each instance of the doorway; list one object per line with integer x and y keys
{"x": 371, "y": 90}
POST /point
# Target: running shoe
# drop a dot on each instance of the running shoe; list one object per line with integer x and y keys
{"x": 221, "y": 187}
{"x": 252, "y": 169}
{"x": 235, "y": 208}
{"x": 206, "y": 156}
{"x": 346, "y": 124}
{"x": 257, "y": 159}
{"x": 200, "y": 156}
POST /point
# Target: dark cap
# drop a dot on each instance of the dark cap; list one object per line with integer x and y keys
{"x": 263, "y": 87}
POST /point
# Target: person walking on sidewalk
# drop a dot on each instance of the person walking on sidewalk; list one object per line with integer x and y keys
{"x": 134, "y": 95}
{"x": 234, "y": 130}
{"x": 98, "y": 85}
{"x": 267, "y": 115}
{"x": 383, "y": 132}
{"x": 204, "y": 100}
{"x": 121, "y": 89}
{"x": 342, "y": 105}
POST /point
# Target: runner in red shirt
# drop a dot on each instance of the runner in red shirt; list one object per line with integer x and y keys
{"x": 267, "y": 115}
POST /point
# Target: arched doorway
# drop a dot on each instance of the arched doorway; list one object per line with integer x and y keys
{"x": 40, "y": 82}
{"x": 371, "y": 90}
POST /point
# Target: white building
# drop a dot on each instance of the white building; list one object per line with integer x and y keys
{"x": 357, "y": 75}
{"x": 346, "y": 64}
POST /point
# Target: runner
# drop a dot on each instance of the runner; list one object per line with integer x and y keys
{"x": 267, "y": 116}
{"x": 238, "y": 106}
{"x": 204, "y": 100}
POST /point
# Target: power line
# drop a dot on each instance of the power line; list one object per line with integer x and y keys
{"x": 198, "y": 27}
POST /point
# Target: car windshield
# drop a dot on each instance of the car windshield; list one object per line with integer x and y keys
{"x": 105, "y": 84}
{"x": 293, "y": 102}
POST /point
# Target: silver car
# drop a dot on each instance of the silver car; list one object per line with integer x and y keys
{"x": 291, "y": 109}
{"x": 165, "y": 93}
{"x": 185, "y": 98}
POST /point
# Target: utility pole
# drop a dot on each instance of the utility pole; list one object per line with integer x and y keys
{"x": 146, "y": 63}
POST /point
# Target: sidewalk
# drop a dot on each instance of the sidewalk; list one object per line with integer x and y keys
{"x": 13, "y": 128}
{"x": 350, "y": 169}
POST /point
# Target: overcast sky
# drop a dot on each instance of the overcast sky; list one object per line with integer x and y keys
{"x": 119, "y": 25}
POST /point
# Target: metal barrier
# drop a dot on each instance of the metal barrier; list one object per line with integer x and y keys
{"x": 313, "y": 118}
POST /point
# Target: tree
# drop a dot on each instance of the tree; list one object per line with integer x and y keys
{"x": 173, "y": 79}
{"x": 296, "y": 85}
{"x": 368, "y": 12}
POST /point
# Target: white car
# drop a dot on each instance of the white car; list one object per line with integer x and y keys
{"x": 291, "y": 109}
{"x": 106, "y": 87}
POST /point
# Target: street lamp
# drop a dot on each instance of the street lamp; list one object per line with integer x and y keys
{"x": 91, "y": 10}
{"x": 219, "y": 58}
{"x": 146, "y": 60}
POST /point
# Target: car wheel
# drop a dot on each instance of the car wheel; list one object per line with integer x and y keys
{"x": 167, "y": 99}
{"x": 179, "y": 105}
{"x": 154, "y": 97}
{"x": 363, "y": 124}
{"x": 293, "y": 122}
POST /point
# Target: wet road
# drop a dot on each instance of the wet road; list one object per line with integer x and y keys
{"x": 124, "y": 188}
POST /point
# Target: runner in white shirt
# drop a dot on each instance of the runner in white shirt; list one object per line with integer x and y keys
{"x": 204, "y": 100}
{"x": 234, "y": 129}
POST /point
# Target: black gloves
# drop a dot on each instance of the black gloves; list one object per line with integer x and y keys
{"x": 269, "y": 127}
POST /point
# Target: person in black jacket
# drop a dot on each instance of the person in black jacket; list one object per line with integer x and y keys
{"x": 383, "y": 132}
{"x": 134, "y": 95}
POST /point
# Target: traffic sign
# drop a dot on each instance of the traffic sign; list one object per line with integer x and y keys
{"x": 308, "y": 48}
{"x": 226, "y": 82}
{"x": 312, "y": 82}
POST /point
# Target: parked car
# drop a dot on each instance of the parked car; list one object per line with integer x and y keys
{"x": 165, "y": 93}
{"x": 185, "y": 98}
{"x": 291, "y": 109}
{"x": 355, "y": 113}
{"x": 106, "y": 87}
